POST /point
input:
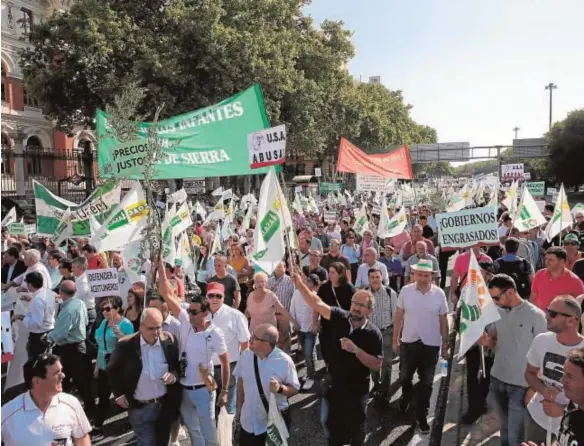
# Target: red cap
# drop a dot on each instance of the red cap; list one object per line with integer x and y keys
{"x": 215, "y": 288}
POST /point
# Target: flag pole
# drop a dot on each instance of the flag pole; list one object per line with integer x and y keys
{"x": 483, "y": 369}
{"x": 286, "y": 234}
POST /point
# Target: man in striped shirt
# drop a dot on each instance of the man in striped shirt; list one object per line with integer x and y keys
{"x": 283, "y": 287}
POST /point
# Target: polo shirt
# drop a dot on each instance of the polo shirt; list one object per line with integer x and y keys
{"x": 24, "y": 423}
{"x": 96, "y": 262}
{"x": 278, "y": 365}
{"x": 422, "y": 313}
{"x": 198, "y": 348}
{"x": 462, "y": 263}
{"x": 547, "y": 288}
{"x": 347, "y": 372}
{"x": 234, "y": 326}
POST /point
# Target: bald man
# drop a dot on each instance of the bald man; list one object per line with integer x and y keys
{"x": 144, "y": 371}
{"x": 278, "y": 376}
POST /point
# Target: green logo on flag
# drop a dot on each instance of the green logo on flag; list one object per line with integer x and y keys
{"x": 470, "y": 313}
{"x": 269, "y": 225}
{"x": 524, "y": 215}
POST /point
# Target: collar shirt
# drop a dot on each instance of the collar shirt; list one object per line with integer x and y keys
{"x": 233, "y": 324}
{"x": 10, "y": 272}
{"x": 36, "y": 268}
{"x": 278, "y": 365}
{"x": 198, "y": 348}
{"x": 41, "y": 312}
{"x": 283, "y": 287}
{"x": 363, "y": 274}
{"x": 24, "y": 423}
{"x": 70, "y": 323}
{"x": 422, "y": 313}
{"x": 384, "y": 308}
{"x": 84, "y": 291}
{"x": 56, "y": 276}
{"x": 171, "y": 325}
{"x": 154, "y": 366}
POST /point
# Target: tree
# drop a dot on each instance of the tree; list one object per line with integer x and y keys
{"x": 188, "y": 54}
{"x": 566, "y": 149}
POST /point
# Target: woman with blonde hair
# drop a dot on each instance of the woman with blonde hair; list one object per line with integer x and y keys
{"x": 263, "y": 304}
{"x": 244, "y": 271}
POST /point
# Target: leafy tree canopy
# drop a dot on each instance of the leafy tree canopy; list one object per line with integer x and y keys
{"x": 566, "y": 149}
{"x": 190, "y": 54}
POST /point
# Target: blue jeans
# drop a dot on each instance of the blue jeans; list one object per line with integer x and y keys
{"x": 508, "y": 401}
{"x": 143, "y": 421}
{"x": 231, "y": 390}
{"x": 198, "y": 412}
{"x": 308, "y": 341}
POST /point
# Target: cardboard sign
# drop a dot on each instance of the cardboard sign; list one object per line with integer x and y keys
{"x": 267, "y": 147}
{"x": 536, "y": 188}
{"x": 196, "y": 186}
{"x": 510, "y": 172}
{"x": 371, "y": 183}
{"x": 330, "y": 216}
{"x": 468, "y": 227}
{"x": 317, "y": 172}
{"x": 103, "y": 282}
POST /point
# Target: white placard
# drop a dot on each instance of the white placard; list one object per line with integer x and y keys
{"x": 527, "y": 176}
{"x": 195, "y": 186}
{"x": 317, "y": 172}
{"x": 376, "y": 209}
{"x": 552, "y": 191}
{"x": 330, "y": 216}
{"x": 540, "y": 205}
{"x": 468, "y": 227}
{"x": 267, "y": 147}
{"x": 103, "y": 282}
{"x": 7, "y": 344}
{"x": 371, "y": 183}
{"x": 180, "y": 196}
{"x": 298, "y": 189}
{"x": 510, "y": 172}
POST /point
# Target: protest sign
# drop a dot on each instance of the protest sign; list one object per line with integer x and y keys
{"x": 536, "y": 188}
{"x": 371, "y": 183}
{"x": 21, "y": 228}
{"x": 7, "y": 344}
{"x": 540, "y": 205}
{"x": 209, "y": 142}
{"x": 330, "y": 187}
{"x": 103, "y": 282}
{"x": 468, "y": 227}
{"x": 195, "y": 186}
{"x": 330, "y": 216}
{"x": 510, "y": 172}
{"x": 267, "y": 147}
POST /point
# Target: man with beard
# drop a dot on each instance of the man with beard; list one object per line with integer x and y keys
{"x": 359, "y": 351}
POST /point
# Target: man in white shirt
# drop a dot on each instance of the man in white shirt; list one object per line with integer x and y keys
{"x": 40, "y": 318}
{"x": 545, "y": 368}
{"x": 277, "y": 375}
{"x": 370, "y": 261}
{"x": 44, "y": 414}
{"x": 32, "y": 259}
{"x": 421, "y": 312}
{"x": 78, "y": 268}
{"x": 234, "y": 326}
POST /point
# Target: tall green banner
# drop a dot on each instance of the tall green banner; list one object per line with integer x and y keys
{"x": 204, "y": 143}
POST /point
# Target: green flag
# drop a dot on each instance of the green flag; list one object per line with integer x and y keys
{"x": 209, "y": 142}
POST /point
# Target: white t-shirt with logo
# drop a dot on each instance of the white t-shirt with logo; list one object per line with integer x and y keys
{"x": 547, "y": 354}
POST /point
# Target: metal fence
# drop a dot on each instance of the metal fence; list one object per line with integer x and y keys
{"x": 61, "y": 171}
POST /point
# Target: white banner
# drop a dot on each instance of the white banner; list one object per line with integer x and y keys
{"x": 195, "y": 186}
{"x": 330, "y": 216}
{"x": 371, "y": 183}
{"x": 267, "y": 147}
{"x": 468, "y": 227}
{"x": 103, "y": 282}
{"x": 510, "y": 172}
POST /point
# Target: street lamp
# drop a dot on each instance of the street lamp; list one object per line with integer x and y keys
{"x": 516, "y": 129}
{"x": 551, "y": 87}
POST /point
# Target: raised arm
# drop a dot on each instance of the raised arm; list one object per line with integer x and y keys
{"x": 166, "y": 291}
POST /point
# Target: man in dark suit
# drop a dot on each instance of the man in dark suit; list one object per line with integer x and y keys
{"x": 12, "y": 266}
{"x": 144, "y": 371}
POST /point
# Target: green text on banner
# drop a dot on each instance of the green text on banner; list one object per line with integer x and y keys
{"x": 330, "y": 187}
{"x": 536, "y": 188}
{"x": 204, "y": 143}
{"x": 468, "y": 227}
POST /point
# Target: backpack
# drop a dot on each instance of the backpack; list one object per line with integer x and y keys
{"x": 518, "y": 270}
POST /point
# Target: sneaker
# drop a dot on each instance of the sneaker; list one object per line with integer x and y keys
{"x": 424, "y": 427}
{"x": 97, "y": 434}
{"x": 403, "y": 406}
{"x": 308, "y": 384}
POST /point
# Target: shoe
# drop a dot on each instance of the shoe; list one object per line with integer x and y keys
{"x": 424, "y": 427}
{"x": 470, "y": 417}
{"x": 182, "y": 434}
{"x": 403, "y": 406}
{"x": 174, "y": 443}
{"x": 97, "y": 434}
{"x": 308, "y": 384}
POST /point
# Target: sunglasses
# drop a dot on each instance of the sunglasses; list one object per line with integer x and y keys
{"x": 106, "y": 309}
{"x": 553, "y": 313}
{"x": 214, "y": 296}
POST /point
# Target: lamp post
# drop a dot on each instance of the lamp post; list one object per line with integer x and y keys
{"x": 516, "y": 129}
{"x": 551, "y": 87}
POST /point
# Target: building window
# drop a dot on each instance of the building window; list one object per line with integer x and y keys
{"x": 26, "y": 21}
{"x": 4, "y": 87}
{"x": 6, "y": 158}
{"x": 29, "y": 99}
{"x": 34, "y": 149}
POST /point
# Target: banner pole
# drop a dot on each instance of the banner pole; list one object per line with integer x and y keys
{"x": 286, "y": 234}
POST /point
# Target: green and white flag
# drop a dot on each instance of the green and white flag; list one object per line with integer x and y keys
{"x": 269, "y": 234}
{"x": 361, "y": 222}
{"x": 216, "y": 247}
{"x": 132, "y": 256}
{"x": 395, "y": 226}
{"x": 562, "y": 217}
{"x": 64, "y": 229}
{"x": 510, "y": 200}
{"x": 168, "y": 241}
{"x": 118, "y": 228}
{"x": 477, "y": 307}
{"x": 185, "y": 255}
{"x": 226, "y": 230}
{"x": 247, "y": 219}
{"x": 181, "y": 220}
{"x": 460, "y": 200}
{"x": 50, "y": 209}
{"x": 578, "y": 207}
{"x": 528, "y": 215}
{"x": 9, "y": 217}
{"x": 297, "y": 204}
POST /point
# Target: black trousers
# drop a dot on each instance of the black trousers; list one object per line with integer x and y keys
{"x": 34, "y": 345}
{"x": 104, "y": 392}
{"x": 477, "y": 388}
{"x": 247, "y": 439}
{"x": 417, "y": 357}
{"x": 443, "y": 259}
{"x": 77, "y": 368}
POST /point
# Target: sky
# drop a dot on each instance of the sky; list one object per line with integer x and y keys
{"x": 472, "y": 69}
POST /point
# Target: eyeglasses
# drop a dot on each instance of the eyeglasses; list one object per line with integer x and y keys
{"x": 253, "y": 337}
{"x": 106, "y": 309}
{"x": 553, "y": 313}
{"x": 359, "y": 304}
{"x": 498, "y": 296}
{"x": 214, "y": 296}
{"x": 193, "y": 312}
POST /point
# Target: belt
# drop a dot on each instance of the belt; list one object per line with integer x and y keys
{"x": 153, "y": 400}
{"x": 197, "y": 387}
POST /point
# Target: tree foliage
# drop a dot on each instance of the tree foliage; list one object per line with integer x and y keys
{"x": 190, "y": 54}
{"x": 566, "y": 149}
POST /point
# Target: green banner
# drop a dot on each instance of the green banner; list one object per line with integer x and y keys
{"x": 536, "y": 188}
{"x": 209, "y": 142}
{"x": 330, "y": 187}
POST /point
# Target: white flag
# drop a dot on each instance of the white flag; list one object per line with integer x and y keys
{"x": 562, "y": 217}
{"x": 199, "y": 209}
{"x": 181, "y": 220}
{"x": 247, "y": 219}
{"x": 528, "y": 215}
{"x": 217, "y": 192}
{"x": 64, "y": 229}
{"x": 269, "y": 234}
{"x": 132, "y": 256}
{"x": 361, "y": 222}
{"x": 460, "y": 200}
{"x": 226, "y": 230}
{"x": 10, "y": 217}
{"x": 510, "y": 200}
{"x": 168, "y": 241}
{"x": 393, "y": 227}
{"x": 216, "y": 247}
{"x": 185, "y": 254}
{"x": 477, "y": 307}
